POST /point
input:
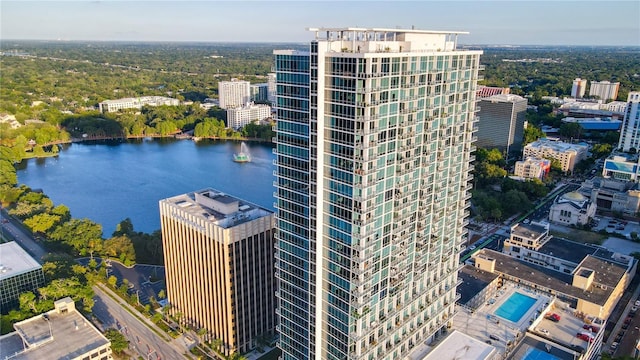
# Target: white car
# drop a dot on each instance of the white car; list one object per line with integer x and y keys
{"x": 543, "y": 331}
{"x": 637, "y": 303}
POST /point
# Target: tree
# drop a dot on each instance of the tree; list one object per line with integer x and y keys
{"x": 571, "y": 130}
{"x": 531, "y": 134}
{"x": 83, "y": 235}
{"x": 118, "y": 341}
{"x": 120, "y": 247}
{"x": 42, "y": 222}
{"x": 7, "y": 173}
{"x": 162, "y": 294}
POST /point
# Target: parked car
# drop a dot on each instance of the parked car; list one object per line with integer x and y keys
{"x": 614, "y": 346}
{"x": 553, "y": 317}
{"x": 493, "y": 337}
{"x": 543, "y": 331}
{"x": 593, "y": 328}
{"x": 584, "y": 336}
{"x": 637, "y": 303}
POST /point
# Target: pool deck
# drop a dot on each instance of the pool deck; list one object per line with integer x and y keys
{"x": 483, "y": 322}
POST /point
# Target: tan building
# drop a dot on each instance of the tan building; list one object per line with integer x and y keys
{"x": 567, "y": 154}
{"x": 219, "y": 255}
{"x": 62, "y": 333}
{"x": 526, "y": 237}
{"x": 532, "y": 168}
{"x": 593, "y": 288}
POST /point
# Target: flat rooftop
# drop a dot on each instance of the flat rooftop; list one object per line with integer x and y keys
{"x": 63, "y": 336}
{"x": 567, "y": 250}
{"x": 530, "y": 231}
{"x": 459, "y": 346}
{"x": 607, "y": 273}
{"x": 14, "y": 260}
{"x": 214, "y": 206}
{"x": 474, "y": 280}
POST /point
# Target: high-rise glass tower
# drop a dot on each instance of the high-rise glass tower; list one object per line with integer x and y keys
{"x": 374, "y": 138}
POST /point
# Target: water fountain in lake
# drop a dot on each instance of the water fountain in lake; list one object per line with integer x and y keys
{"x": 243, "y": 156}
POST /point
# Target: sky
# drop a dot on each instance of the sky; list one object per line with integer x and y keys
{"x": 512, "y": 22}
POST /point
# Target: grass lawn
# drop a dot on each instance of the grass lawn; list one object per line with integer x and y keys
{"x": 581, "y": 236}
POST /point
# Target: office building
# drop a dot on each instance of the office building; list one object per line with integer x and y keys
{"x": 604, "y": 90}
{"x": 374, "y": 135}
{"x": 241, "y": 116}
{"x": 622, "y": 166}
{"x": 271, "y": 88}
{"x": 613, "y": 195}
{"x": 567, "y": 154}
{"x": 219, "y": 255}
{"x": 19, "y": 273}
{"x": 234, "y": 93}
{"x": 259, "y": 92}
{"x": 136, "y": 103}
{"x": 501, "y": 122}
{"x": 62, "y": 333}
{"x": 629, "y": 133}
{"x": 532, "y": 168}
{"x": 488, "y": 91}
{"x": 578, "y": 88}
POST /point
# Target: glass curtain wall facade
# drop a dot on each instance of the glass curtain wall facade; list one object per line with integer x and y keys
{"x": 374, "y": 138}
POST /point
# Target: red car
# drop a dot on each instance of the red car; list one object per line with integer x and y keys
{"x": 585, "y": 337}
{"x": 593, "y": 328}
{"x": 553, "y": 317}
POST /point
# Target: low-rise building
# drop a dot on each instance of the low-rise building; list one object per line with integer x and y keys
{"x": 613, "y": 195}
{"x": 568, "y": 155}
{"x": 595, "y": 124}
{"x": 593, "y": 288}
{"x": 487, "y": 91}
{"x": 19, "y": 273}
{"x": 239, "y": 117}
{"x": 622, "y": 167}
{"x": 476, "y": 287}
{"x": 62, "y": 333}
{"x": 532, "y": 168}
{"x": 572, "y": 208}
{"x": 136, "y": 103}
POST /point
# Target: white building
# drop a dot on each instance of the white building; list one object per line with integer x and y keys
{"x": 234, "y": 93}
{"x": 630, "y": 131}
{"x": 567, "y": 154}
{"x": 271, "y": 88}
{"x": 622, "y": 167}
{"x": 136, "y": 103}
{"x": 241, "y": 116}
{"x": 604, "y": 90}
{"x": 572, "y": 208}
{"x": 579, "y": 88}
{"x": 532, "y": 168}
{"x": 618, "y": 107}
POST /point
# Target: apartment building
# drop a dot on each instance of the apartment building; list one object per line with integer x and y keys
{"x": 375, "y": 129}
{"x": 568, "y": 155}
{"x": 234, "y": 93}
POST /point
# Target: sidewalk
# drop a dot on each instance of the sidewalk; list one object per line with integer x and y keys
{"x": 175, "y": 343}
{"x": 627, "y": 308}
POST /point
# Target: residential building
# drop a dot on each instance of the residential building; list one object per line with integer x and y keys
{"x": 618, "y": 107}
{"x": 9, "y": 119}
{"x": 604, "y": 90}
{"x": 572, "y": 208}
{"x": 374, "y": 137}
{"x": 476, "y": 287}
{"x": 613, "y": 195}
{"x": 568, "y": 155}
{"x": 488, "y": 91}
{"x": 136, "y": 103}
{"x": 532, "y": 168}
{"x": 234, "y": 93}
{"x": 241, "y": 116}
{"x": 629, "y": 133}
{"x": 271, "y": 88}
{"x": 579, "y": 88}
{"x": 593, "y": 288}
{"x": 19, "y": 273}
{"x": 62, "y": 333}
{"x": 259, "y": 92}
{"x": 501, "y": 122}
{"x": 525, "y": 237}
{"x": 219, "y": 261}
{"x": 622, "y": 166}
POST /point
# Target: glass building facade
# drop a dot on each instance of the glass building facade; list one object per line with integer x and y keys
{"x": 374, "y": 137}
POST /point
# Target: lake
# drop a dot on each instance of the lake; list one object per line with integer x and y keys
{"x": 110, "y": 181}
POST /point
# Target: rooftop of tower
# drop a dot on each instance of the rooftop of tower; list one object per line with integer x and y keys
{"x": 214, "y": 206}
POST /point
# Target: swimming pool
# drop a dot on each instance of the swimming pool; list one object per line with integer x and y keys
{"x": 535, "y": 354}
{"x": 514, "y": 308}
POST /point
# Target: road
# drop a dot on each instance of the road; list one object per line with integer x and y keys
{"x": 141, "y": 339}
{"x": 11, "y": 231}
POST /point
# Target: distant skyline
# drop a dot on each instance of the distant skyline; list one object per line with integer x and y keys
{"x": 489, "y": 22}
